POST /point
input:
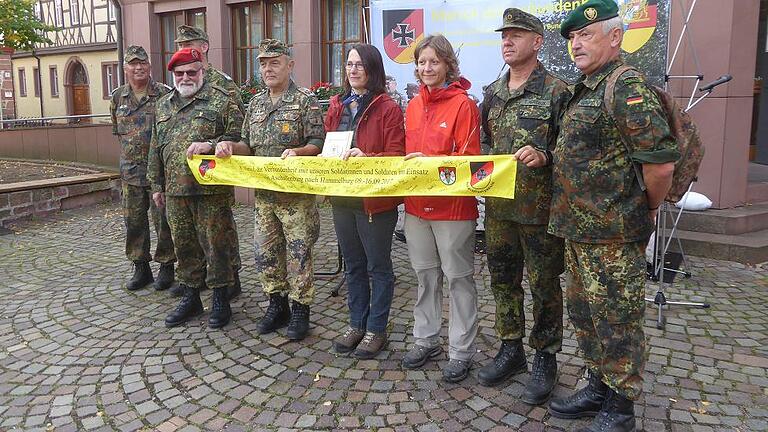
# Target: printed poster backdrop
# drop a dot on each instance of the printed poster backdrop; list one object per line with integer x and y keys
{"x": 398, "y": 25}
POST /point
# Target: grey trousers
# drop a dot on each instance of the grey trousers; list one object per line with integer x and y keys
{"x": 439, "y": 249}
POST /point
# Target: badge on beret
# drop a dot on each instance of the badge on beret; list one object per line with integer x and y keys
{"x": 286, "y": 127}
{"x": 590, "y": 13}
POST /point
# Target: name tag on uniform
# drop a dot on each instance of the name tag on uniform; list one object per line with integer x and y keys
{"x": 590, "y": 102}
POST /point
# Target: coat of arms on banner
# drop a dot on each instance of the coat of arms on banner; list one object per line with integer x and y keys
{"x": 447, "y": 175}
{"x": 403, "y": 29}
{"x": 206, "y": 165}
{"x": 639, "y": 18}
{"x": 480, "y": 171}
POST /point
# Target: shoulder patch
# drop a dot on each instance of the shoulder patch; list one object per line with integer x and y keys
{"x": 632, "y": 80}
{"x": 221, "y": 89}
{"x": 306, "y": 91}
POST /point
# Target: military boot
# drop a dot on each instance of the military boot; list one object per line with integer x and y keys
{"x": 299, "y": 325}
{"x": 142, "y": 276}
{"x": 277, "y": 316}
{"x": 164, "y": 277}
{"x": 542, "y": 380}
{"x": 177, "y": 290}
{"x": 234, "y": 290}
{"x": 586, "y": 402}
{"x": 509, "y": 361}
{"x": 189, "y": 307}
{"x": 221, "y": 313}
{"x": 616, "y": 415}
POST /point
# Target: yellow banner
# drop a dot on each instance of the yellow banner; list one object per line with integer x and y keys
{"x": 492, "y": 176}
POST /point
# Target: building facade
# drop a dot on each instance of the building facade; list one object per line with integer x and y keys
{"x": 76, "y": 73}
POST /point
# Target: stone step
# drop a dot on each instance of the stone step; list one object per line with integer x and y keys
{"x": 746, "y": 248}
{"x": 733, "y": 221}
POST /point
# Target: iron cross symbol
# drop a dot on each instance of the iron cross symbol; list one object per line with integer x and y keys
{"x": 403, "y": 34}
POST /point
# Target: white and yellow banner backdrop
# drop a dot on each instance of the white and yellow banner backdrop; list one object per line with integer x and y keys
{"x": 363, "y": 176}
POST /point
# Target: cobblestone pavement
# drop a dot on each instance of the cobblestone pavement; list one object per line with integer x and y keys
{"x": 78, "y": 352}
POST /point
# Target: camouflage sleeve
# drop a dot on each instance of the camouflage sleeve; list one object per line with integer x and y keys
{"x": 155, "y": 169}
{"x": 314, "y": 131}
{"x": 560, "y": 97}
{"x": 245, "y": 131}
{"x": 643, "y": 122}
{"x": 486, "y": 140}
{"x": 232, "y": 120}
{"x": 112, "y": 110}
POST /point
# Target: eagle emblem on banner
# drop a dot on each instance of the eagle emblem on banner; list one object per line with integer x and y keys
{"x": 403, "y": 29}
{"x": 639, "y": 17}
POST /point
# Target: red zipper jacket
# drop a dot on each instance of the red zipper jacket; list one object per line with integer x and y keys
{"x": 379, "y": 132}
{"x": 438, "y": 122}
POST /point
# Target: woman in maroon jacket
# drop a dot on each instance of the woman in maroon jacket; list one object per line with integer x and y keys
{"x": 364, "y": 226}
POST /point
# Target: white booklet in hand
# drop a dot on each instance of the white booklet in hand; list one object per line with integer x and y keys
{"x": 336, "y": 143}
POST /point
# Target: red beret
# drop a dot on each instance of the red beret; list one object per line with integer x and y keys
{"x": 184, "y": 56}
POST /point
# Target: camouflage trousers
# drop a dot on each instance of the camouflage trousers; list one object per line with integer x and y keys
{"x": 285, "y": 233}
{"x": 606, "y": 302}
{"x": 137, "y": 200}
{"x": 510, "y": 247}
{"x": 202, "y": 227}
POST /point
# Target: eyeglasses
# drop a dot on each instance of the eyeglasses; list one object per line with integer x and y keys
{"x": 189, "y": 73}
{"x": 353, "y": 65}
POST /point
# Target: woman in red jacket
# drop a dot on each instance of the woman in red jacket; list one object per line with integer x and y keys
{"x": 442, "y": 120}
{"x": 364, "y": 226}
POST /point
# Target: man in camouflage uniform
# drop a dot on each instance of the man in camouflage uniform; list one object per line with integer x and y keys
{"x": 605, "y": 216}
{"x": 193, "y": 37}
{"x": 520, "y": 116}
{"x": 191, "y": 120}
{"x": 394, "y": 94}
{"x": 283, "y": 121}
{"x": 133, "y": 113}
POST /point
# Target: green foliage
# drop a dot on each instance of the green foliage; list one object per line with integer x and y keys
{"x": 19, "y": 27}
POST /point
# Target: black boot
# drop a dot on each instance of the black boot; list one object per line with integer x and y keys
{"x": 586, "y": 402}
{"x": 221, "y": 313}
{"x": 164, "y": 277}
{"x": 299, "y": 325}
{"x": 542, "y": 380}
{"x": 189, "y": 307}
{"x": 617, "y": 415}
{"x": 509, "y": 361}
{"x": 142, "y": 276}
{"x": 177, "y": 290}
{"x": 234, "y": 290}
{"x": 277, "y": 316}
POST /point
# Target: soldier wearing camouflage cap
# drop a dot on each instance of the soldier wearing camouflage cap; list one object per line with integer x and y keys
{"x": 193, "y": 37}
{"x": 520, "y": 116}
{"x": 612, "y": 125}
{"x": 284, "y": 120}
{"x": 132, "y": 107}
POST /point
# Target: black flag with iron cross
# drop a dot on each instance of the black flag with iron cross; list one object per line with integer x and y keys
{"x": 403, "y": 29}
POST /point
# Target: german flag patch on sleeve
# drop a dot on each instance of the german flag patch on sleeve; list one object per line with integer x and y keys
{"x": 633, "y": 100}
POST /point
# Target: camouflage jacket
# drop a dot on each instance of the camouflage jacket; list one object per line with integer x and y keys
{"x": 597, "y": 197}
{"x": 218, "y": 78}
{"x": 211, "y": 114}
{"x": 132, "y": 122}
{"x": 513, "y": 120}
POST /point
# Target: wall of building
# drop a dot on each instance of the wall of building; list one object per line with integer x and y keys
{"x": 7, "y": 105}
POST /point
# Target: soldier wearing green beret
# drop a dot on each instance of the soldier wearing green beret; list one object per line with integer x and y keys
{"x": 604, "y": 214}
{"x": 133, "y": 112}
{"x": 193, "y": 37}
{"x": 520, "y": 116}
{"x": 283, "y": 120}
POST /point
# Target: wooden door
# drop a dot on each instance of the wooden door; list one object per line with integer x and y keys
{"x": 81, "y": 101}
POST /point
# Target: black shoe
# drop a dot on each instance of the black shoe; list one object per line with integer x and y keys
{"x": 586, "y": 402}
{"x": 616, "y": 415}
{"x": 164, "y": 277}
{"x": 543, "y": 379}
{"x": 234, "y": 290}
{"x": 189, "y": 307}
{"x": 299, "y": 325}
{"x": 400, "y": 235}
{"x": 277, "y": 316}
{"x": 456, "y": 370}
{"x": 509, "y": 361}
{"x": 221, "y": 313}
{"x": 177, "y": 290}
{"x": 142, "y": 276}
{"x": 418, "y": 355}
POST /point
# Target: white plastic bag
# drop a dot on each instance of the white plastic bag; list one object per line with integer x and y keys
{"x": 694, "y": 201}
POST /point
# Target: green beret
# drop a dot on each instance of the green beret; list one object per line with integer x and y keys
{"x": 589, "y": 13}
{"x": 272, "y": 48}
{"x": 188, "y": 33}
{"x": 135, "y": 52}
{"x": 516, "y": 18}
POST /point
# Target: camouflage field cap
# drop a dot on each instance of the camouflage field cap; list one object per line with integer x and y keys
{"x": 588, "y": 13}
{"x": 516, "y": 18}
{"x": 135, "y": 52}
{"x": 272, "y": 48}
{"x": 188, "y": 33}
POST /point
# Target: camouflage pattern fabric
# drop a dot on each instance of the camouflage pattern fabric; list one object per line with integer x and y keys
{"x": 596, "y": 195}
{"x": 605, "y": 293}
{"x": 511, "y": 245}
{"x": 137, "y": 201}
{"x": 202, "y": 227}
{"x": 399, "y": 99}
{"x": 285, "y": 233}
{"x": 132, "y": 122}
{"x": 513, "y": 120}
{"x": 218, "y": 78}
